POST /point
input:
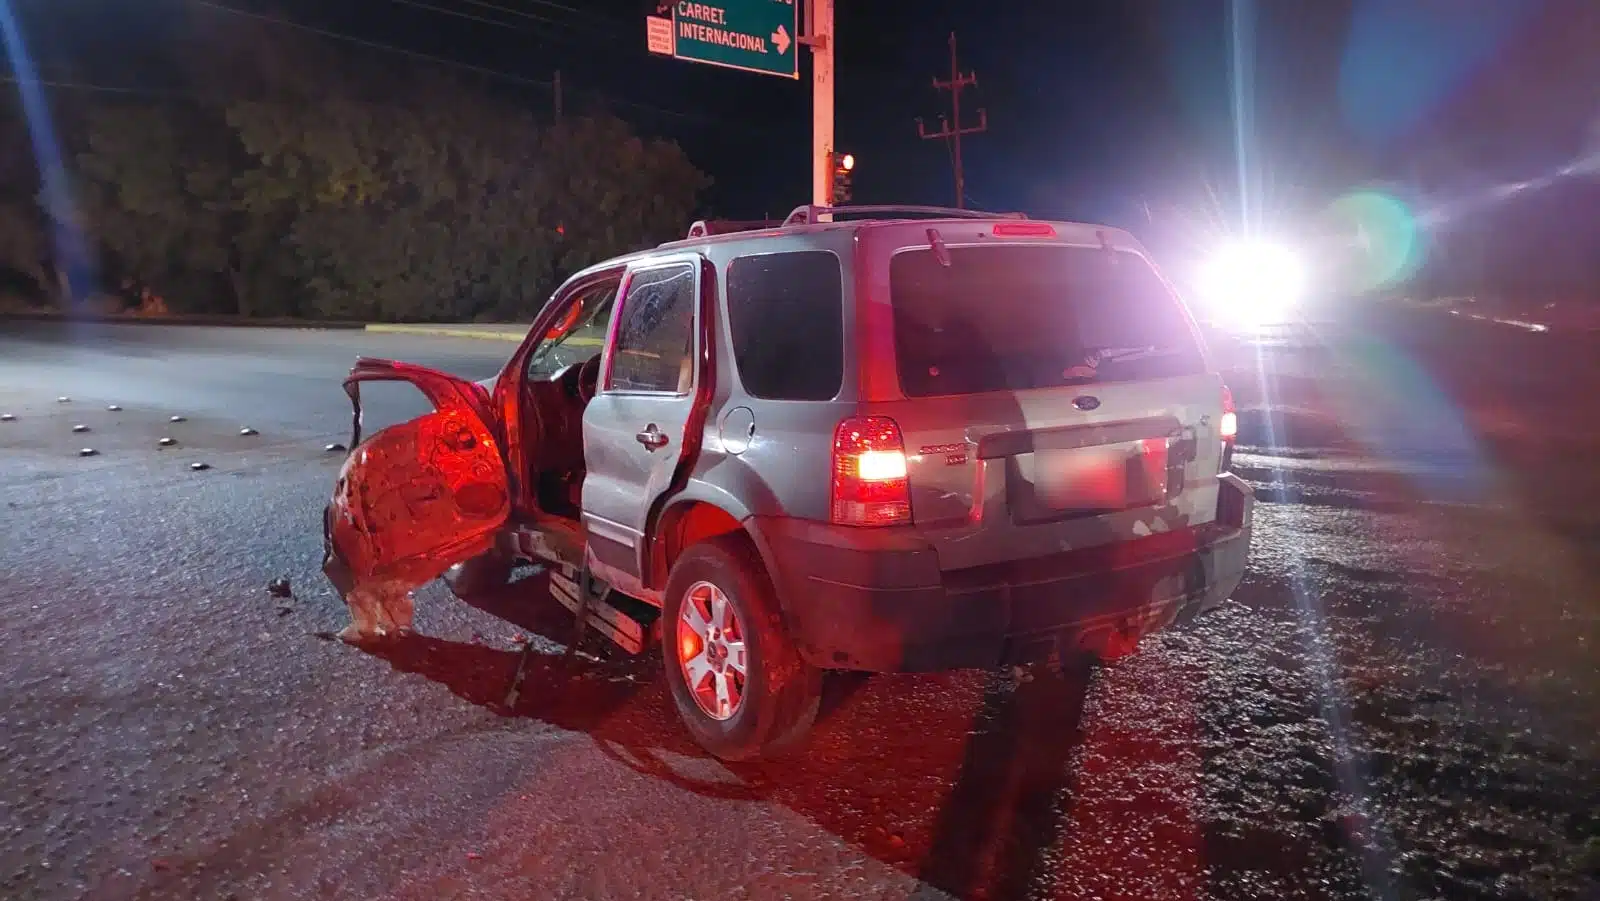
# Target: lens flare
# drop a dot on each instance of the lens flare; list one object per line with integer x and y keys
{"x": 72, "y": 253}
{"x": 1382, "y": 241}
{"x": 1253, "y": 282}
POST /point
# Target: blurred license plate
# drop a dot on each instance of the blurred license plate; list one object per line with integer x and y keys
{"x": 1114, "y": 477}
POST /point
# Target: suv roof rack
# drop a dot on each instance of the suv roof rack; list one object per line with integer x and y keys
{"x": 804, "y": 215}
{"x": 705, "y": 228}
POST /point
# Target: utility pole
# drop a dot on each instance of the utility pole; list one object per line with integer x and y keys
{"x": 951, "y": 129}
{"x": 556, "y": 83}
{"x": 819, "y": 37}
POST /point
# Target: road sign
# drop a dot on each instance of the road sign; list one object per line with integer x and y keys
{"x": 753, "y": 35}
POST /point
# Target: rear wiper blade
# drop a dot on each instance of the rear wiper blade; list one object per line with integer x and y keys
{"x": 1123, "y": 354}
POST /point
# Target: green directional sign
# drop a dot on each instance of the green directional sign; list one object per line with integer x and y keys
{"x": 753, "y": 35}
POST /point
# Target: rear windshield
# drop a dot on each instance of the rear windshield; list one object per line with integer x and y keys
{"x": 1014, "y": 318}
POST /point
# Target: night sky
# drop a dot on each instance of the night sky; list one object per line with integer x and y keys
{"x": 1097, "y": 108}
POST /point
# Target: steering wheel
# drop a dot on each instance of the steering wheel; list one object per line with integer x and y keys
{"x": 588, "y": 383}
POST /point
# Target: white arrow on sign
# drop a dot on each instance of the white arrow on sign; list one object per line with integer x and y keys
{"x": 781, "y": 38}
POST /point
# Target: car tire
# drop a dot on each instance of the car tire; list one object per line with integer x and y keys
{"x": 478, "y": 576}
{"x": 780, "y": 692}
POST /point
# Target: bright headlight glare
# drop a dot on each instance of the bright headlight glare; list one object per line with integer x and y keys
{"x": 1255, "y": 281}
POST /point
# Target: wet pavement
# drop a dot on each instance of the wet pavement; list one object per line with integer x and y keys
{"x": 1400, "y": 701}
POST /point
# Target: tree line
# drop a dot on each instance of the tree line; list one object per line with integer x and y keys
{"x": 284, "y": 180}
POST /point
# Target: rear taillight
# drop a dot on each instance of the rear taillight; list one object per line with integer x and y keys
{"x": 870, "y": 487}
{"x": 1228, "y": 428}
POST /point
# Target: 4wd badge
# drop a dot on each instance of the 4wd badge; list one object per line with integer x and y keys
{"x": 954, "y": 454}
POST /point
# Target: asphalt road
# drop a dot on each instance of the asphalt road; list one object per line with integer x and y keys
{"x": 1400, "y": 702}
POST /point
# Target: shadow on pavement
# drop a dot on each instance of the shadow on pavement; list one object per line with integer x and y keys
{"x": 1004, "y": 805}
{"x": 969, "y": 802}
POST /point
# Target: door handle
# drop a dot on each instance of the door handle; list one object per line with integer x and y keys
{"x": 652, "y": 438}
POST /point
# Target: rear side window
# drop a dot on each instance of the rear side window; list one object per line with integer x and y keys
{"x": 1021, "y": 317}
{"x": 655, "y": 335}
{"x": 786, "y": 318}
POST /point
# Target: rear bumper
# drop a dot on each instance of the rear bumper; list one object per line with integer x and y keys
{"x": 876, "y": 600}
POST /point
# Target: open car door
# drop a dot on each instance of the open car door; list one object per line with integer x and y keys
{"x": 418, "y": 497}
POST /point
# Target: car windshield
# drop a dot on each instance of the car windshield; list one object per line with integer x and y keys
{"x": 1014, "y": 318}
{"x": 583, "y": 337}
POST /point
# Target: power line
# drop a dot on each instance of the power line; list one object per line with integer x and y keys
{"x": 375, "y": 45}
{"x": 526, "y": 14}
{"x": 414, "y": 54}
{"x": 451, "y": 12}
{"x": 549, "y": 3}
{"x": 84, "y": 86}
{"x": 115, "y": 89}
{"x": 500, "y": 23}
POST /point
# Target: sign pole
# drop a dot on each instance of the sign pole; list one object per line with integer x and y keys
{"x": 820, "y": 39}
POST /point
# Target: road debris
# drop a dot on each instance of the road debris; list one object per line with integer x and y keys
{"x": 114, "y": 408}
{"x": 334, "y": 447}
{"x": 87, "y": 452}
{"x": 197, "y": 466}
{"x": 280, "y": 588}
{"x": 514, "y": 693}
{"x": 80, "y": 428}
{"x": 63, "y": 399}
{"x": 179, "y": 418}
{"x": 7, "y": 417}
{"x": 247, "y": 431}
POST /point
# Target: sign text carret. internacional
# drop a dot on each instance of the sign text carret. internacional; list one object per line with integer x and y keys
{"x": 752, "y": 35}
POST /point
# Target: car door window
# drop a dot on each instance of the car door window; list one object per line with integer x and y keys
{"x": 655, "y": 335}
{"x": 786, "y": 319}
{"x": 579, "y": 333}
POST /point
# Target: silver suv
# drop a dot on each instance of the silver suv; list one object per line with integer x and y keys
{"x": 884, "y": 439}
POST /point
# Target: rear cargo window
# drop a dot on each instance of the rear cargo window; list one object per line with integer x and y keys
{"x": 1014, "y": 318}
{"x": 786, "y": 318}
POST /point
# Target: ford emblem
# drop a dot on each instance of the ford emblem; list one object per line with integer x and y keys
{"x": 1086, "y": 402}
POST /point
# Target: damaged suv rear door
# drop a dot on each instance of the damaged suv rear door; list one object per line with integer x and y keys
{"x": 419, "y": 496}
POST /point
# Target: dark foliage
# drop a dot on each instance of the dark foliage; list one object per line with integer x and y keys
{"x": 301, "y": 184}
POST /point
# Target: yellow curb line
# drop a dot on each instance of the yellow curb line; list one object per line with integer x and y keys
{"x": 445, "y": 331}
